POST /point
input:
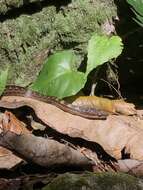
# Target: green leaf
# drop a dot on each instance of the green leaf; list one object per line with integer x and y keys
{"x": 137, "y": 7}
{"x": 3, "y": 80}
{"x": 101, "y": 49}
{"x": 59, "y": 76}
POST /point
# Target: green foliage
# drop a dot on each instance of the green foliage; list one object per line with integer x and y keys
{"x": 137, "y": 7}
{"x": 59, "y": 76}
{"x": 3, "y": 80}
{"x": 101, "y": 49}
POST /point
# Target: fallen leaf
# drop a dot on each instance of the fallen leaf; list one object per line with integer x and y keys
{"x": 8, "y": 160}
{"x": 134, "y": 167}
{"x": 117, "y": 135}
{"x": 11, "y": 123}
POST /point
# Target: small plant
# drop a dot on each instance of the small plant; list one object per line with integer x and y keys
{"x": 59, "y": 76}
{"x": 137, "y": 7}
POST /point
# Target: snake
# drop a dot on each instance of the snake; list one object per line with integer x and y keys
{"x": 89, "y": 113}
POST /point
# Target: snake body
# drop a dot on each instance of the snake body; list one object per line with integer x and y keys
{"x": 90, "y": 113}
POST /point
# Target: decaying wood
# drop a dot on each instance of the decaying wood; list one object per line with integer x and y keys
{"x": 47, "y": 153}
{"x": 42, "y": 151}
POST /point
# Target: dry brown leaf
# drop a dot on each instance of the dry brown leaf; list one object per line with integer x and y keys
{"x": 127, "y": 165}
{"x": 11, "y": 123}
{"x": 113, "y": 106}
{"x": 131, "y": 166}
{"x": 116, "y": 135}
{"x": 7, "y": 159}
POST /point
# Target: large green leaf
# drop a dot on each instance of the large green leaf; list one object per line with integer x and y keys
{"x": 101, "y": 49}
{"x": 3, "y": 80}
{"x": 138, "y": 10}
{"x": 59, "y": 76}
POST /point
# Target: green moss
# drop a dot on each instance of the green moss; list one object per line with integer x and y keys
{"x": 25, "y": 37}
{"x": 14, "y": 3}
{"x": 67, "y": 182}
{"x": 79, "y": 21}
{"x": 20, "y": 41}
{"x": 6, "y": 5}
{"x": 3, "y": 7}
{"x": 112, "y": 181}
{"x": 91, "y": 181}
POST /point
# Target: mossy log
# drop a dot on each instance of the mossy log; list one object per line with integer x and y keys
{"x": 26, "y": 35}
{"x": 97, "y": 181}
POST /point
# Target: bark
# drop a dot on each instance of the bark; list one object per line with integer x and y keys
{"x": 44, "y": 152}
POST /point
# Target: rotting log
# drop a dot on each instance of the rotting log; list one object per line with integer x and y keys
{"x": 42, "y": 151}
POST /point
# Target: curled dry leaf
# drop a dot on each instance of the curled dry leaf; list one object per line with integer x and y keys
{"x": 118, "y": 134}
{"x": 11, "y": 123}
{"x": 112, "y": 106}
{"x": 8, "y": 160}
